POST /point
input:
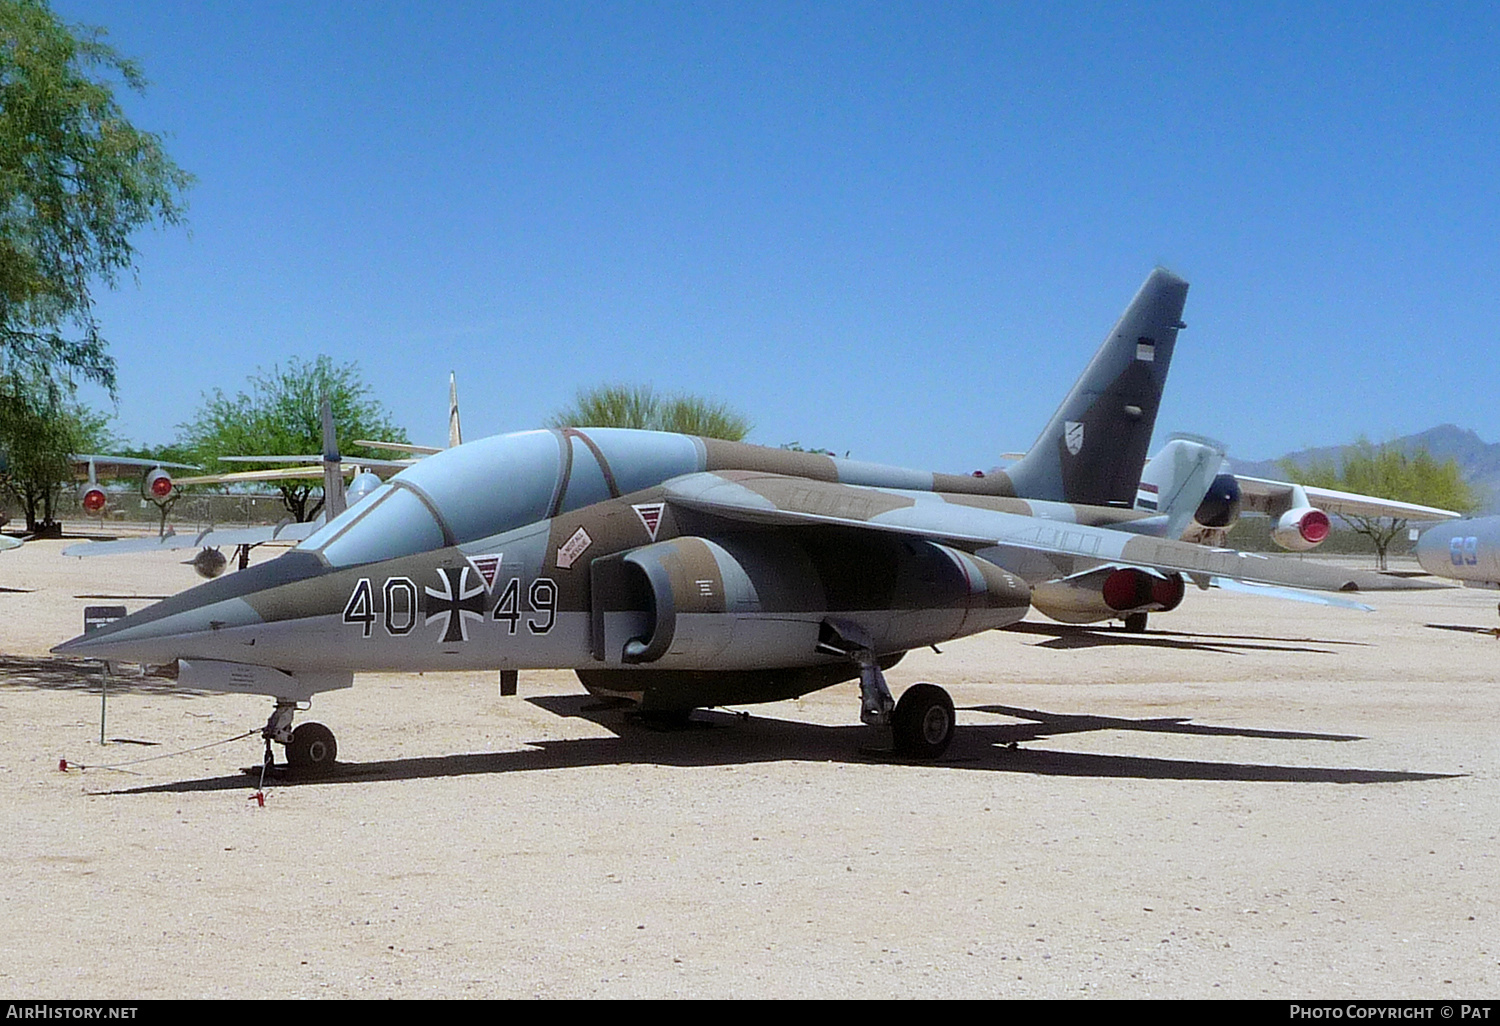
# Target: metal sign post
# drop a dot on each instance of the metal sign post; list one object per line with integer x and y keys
{"x": 95, "y": 617}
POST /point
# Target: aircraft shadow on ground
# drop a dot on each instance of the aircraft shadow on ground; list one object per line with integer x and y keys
{"x": 1493, "y": 632}
{"x": 718, "y": 738}
{"x": 1070, "y": 636}
{"x": 82, "y": 675}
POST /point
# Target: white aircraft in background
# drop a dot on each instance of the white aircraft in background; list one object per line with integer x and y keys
{"x": 157, "y": 483}
{"x": 1300, "y": 511}
{"x": 330, "y": 466}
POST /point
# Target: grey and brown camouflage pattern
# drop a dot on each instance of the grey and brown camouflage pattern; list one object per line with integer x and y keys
{"x": 685, "y": 571}
{"x": 706, "y": 586}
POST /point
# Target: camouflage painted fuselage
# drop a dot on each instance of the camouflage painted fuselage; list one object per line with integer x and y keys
{"x": 678, "y": 570}
{"x": 563, "y": 549}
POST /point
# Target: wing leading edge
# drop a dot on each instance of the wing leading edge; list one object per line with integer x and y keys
{"x": 1037, "y": 549}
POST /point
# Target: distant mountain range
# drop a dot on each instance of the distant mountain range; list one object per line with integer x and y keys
{"x": 1478, "y": 460}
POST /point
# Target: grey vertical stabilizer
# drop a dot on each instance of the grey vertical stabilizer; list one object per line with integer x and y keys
{"x": 1094, "y": 447}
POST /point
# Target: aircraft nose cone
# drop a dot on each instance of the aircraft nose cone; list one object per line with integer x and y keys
{"x": 187, "y": 624}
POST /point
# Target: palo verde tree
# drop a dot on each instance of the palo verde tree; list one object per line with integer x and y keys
{"x": 638, "y": 406}
{"x": 77, "y": 179}
{"x": 1388, "y": 472}
{"x": 281, "y": 415}
{"x": 36, "y": 439}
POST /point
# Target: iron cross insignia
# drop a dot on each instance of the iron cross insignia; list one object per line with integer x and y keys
{"x": 458, "y": 601}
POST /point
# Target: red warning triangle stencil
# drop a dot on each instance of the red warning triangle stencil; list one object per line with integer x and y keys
{"x": 650, "y": 514}
{"x": 487, "y": 567}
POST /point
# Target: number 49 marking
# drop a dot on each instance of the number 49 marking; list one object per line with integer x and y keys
{"x": 541, "y": 596}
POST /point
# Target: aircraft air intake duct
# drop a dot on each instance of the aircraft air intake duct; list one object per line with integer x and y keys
{"x": 1301, "y": 529}
{"x": 92, "y": 498}
{"x": 746, "y": 601}
{"x": 1220, "y": 507}
{"x": 157, "y": 484}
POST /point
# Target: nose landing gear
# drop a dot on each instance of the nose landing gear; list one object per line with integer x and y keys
{"x": 311, "y": 749}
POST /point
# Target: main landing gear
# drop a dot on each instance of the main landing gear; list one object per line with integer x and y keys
{"x": 921, "y": 723}
{"x": 311, "y": 749}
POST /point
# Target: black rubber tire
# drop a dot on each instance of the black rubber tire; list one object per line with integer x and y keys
{"x": 922, "y": 723}
{"x": 1136, "y": 622}
{"x": 312, "y": 749}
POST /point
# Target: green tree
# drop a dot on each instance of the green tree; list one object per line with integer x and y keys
{"x": 638, "y": 406}
{"x": 76, "y": 180}
{"x": 1388, "y": 472}
{"x": 281, "y": 415}
{"x": 36, "y": 438}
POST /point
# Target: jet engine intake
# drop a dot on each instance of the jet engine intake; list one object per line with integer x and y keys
{"x": 1108, "y": 593}
{"x": 748, "y": 601}
{"x": 92, "y": 498}
{"x": 1301, "y": 529}
{"x": 157, "y": 484}
{"x": 1220, "y": 507}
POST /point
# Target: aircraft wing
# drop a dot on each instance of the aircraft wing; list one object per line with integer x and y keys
{"x": 284, "y": 474}
{"x": 7, "y": 542}
{"x": 352, "y": 460}
{"x": 1032, "y": 547}
{"x": 420, "y": 450}
{"x": 119, "y": 466}
{"x": 213, "y": 538}
{"x": 1258, "y": 495}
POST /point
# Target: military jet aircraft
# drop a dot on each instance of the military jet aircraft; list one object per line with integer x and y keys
{"x": 1300, "y": 511}
{"x": 156, "y": 478}
{"x": 210, "y": 561}
{"x": 680, "y": 572}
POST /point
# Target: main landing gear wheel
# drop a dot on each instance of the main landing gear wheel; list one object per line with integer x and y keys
{"x": 1136, "y": 622}
{"x": 312, "y": 749}
{"x": 922, "y": 724}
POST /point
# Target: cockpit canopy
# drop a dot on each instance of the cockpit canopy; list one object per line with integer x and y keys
{"x": 498, "y": 484}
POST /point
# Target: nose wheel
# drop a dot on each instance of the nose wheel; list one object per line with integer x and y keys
{"x": 311, "y": 748}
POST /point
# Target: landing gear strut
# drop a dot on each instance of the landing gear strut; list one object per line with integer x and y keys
{"x": 921, "y": 723}
{"x": 1135, "y": 622}
{"x": 311, "y": 749}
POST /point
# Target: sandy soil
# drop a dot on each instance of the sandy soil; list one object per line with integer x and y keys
{"x": 1257, "y": 799}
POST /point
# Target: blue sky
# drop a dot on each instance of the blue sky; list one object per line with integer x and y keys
{"x": 894, "y": 229}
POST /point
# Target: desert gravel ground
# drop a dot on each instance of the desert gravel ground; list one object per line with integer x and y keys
{"x": 1255, "y": 799}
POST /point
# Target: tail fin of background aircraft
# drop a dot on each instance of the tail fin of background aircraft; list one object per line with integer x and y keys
{"x": 455, "y": 433}
{"x": 1177, "y": 478}
{"x": 1093, "y": 448}
{"x": 333, "y": 469}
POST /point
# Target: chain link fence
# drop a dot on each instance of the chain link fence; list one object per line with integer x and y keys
{"x": 189, "y": 512}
